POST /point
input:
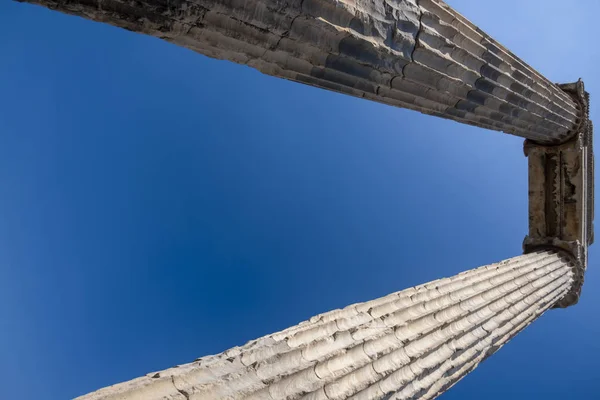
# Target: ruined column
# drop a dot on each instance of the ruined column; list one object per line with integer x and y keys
{"x": 421, "y": 55}
{"x": 416, "y": 343}
{"x": 416, "y": 54}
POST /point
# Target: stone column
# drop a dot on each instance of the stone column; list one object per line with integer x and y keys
{"x": 416, "y": 343}
{"x": 416, "y": 54}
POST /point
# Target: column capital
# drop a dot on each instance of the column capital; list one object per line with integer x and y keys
{"x": 561, "y": 193}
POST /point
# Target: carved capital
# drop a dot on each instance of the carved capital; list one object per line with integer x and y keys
{"x": 561, "y": 193}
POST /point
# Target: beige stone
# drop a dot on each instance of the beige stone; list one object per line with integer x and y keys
{"x": 439, "y": 333}
{"x": 421, "y": 55}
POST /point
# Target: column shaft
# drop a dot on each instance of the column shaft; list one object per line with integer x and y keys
{"x": 416, "y": 343}
{"x": 416, "y": 54}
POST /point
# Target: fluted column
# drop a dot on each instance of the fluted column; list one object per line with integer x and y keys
{"x": 416, "y": 54}
{"x": 416, "y": 343}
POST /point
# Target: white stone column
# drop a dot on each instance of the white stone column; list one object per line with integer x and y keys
{"x": 415, "y": 343}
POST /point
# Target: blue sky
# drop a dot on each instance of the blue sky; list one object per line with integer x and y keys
{"x": 158, "y": 205}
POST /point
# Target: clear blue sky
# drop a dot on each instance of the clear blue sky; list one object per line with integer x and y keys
{"x": 157, "y": 205}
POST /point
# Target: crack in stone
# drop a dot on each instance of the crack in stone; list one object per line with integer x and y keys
{"x": 412, "y": 53}
{"x": 183, "y": 392}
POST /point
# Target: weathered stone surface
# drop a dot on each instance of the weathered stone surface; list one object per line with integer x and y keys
{"x": 420, "y": 55}
{"x": 561, "y": 194}
{"x": 416, "y": 343}
{"x": 424, "y": 56}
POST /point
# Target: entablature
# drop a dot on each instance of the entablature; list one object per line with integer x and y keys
{"x": 561, "y": 193}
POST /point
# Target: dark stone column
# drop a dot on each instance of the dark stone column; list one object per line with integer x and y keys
{"x": 416, "y": 54}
